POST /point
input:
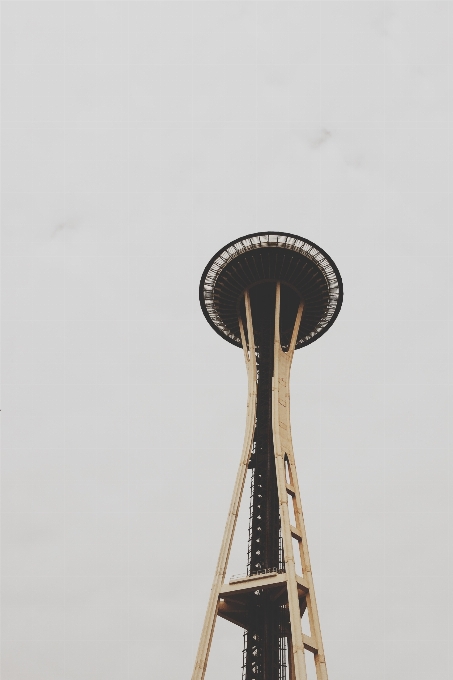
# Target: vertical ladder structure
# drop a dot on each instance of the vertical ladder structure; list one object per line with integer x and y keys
{"x": 270, "y": 293}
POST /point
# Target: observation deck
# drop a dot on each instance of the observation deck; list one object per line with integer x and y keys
{"x": 305, "y": 273}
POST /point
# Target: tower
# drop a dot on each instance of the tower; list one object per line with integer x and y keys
{"x": 269, "y": 293}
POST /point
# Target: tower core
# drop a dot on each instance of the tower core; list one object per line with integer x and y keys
{"x": 269, "y": 293}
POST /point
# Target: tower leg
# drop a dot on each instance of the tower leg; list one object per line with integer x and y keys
{"x": 284, "y": 452}
{"x": 222, "y": 563}
{"x": 313, "y": 617}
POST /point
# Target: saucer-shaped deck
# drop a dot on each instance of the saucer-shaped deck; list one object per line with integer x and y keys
{"x": 255, "y": 262}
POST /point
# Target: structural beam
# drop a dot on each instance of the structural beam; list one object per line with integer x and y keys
{"x": 219, "y": 578}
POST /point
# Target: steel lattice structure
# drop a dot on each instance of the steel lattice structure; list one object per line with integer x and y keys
{"x": 270, "y": 293}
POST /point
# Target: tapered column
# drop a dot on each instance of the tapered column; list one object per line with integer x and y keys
{"x": 289, "y": 492}
{"x": 313, "y": 617}
{"x": 281, "y": 431}
{"x": 219, "y": 578}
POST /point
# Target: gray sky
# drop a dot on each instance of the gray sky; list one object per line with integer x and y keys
{"x": 139, "y": 138}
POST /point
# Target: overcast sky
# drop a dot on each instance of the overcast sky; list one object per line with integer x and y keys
{"x": 139, "y": 138}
